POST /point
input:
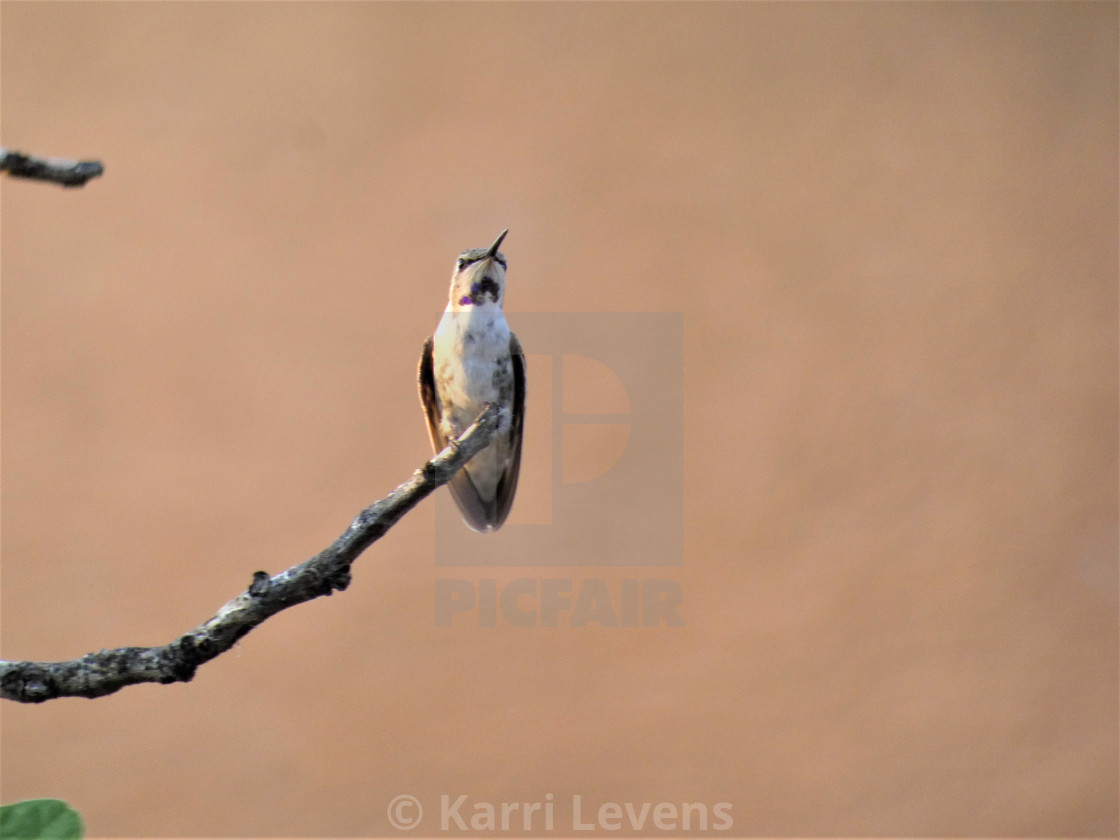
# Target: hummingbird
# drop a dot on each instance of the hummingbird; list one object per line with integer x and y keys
{"x": 471, "y": 360}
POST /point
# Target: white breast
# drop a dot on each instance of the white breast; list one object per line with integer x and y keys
{"x": 466, "y": 348}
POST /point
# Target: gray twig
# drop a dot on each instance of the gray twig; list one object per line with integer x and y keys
{"x": 107, "y": 671}
{"x": 69, "y": 173}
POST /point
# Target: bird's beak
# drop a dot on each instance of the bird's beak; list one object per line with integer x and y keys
{"x": 493, "y": 250}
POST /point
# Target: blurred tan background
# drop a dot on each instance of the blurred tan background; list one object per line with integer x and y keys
{"x": 891, "y": 230}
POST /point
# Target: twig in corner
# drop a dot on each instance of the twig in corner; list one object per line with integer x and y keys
{"x": 68, "y": 173}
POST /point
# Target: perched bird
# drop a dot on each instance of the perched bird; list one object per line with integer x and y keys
{"x": 471, "y": 360}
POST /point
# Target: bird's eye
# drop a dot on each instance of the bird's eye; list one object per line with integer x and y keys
{"x": 462, "y": 263}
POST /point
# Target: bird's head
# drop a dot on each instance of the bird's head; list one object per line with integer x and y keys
{"x": 479, "y": 278}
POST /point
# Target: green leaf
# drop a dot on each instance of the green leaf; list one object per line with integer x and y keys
{"x": 40, "y": 819}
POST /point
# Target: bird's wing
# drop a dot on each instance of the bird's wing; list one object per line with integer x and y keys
{"x": 429, "y": 397}
{"x": 507, "y": 484}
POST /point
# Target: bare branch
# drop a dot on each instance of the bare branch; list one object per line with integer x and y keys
{"x": 68, "y": 173}
{"x": 107, "y": 671}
